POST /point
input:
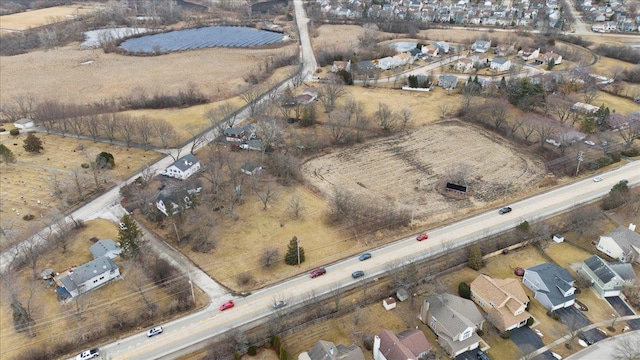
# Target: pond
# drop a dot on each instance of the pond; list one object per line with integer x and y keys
{"x": 206, "y": 37}
{"x": 403, "y": 46}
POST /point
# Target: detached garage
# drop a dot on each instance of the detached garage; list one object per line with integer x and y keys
{"x": 24, "y": 124}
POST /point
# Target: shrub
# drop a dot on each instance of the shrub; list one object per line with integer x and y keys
{"x": 105, "y": 160}
{"x": 283, "y": 354}
{"x": 601, "y": 162}
{"x": 523, "y": 226}
{"x": 237, "y": 356}
{"x": 631, "y": 152}
{"x": 276, "y": 344}
{"x": 2, "y": 129}
{"x": 267, "y": 345}
{"x": 530, "y": 321}
{"x": 476, "y": 262}
{"x": 505, "y": 334}
{"x": 253, "y": 350}
{"x": 28, "y": 217}
{"x": 85, "y": 165}
{"x": 553, "y": 315}
{"x": 14, "y": 132}
{"x": 615, "y": 157}
{"x": 367, "y": 341}
{"x": 464, "y": 290}
{"x": 244, "y": 278}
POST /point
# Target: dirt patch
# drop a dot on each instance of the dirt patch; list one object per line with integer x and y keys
{"x": 217, "y": 72}
{"x": 405, "y": 170}
{"x": 35, "y": 18}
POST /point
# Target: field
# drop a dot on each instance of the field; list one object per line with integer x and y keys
{"x": 60, "y": 74}
{"x": 27, "y": 184}
{"x": 35, "y": 18}
{"x": 53, "y": 318}
{"x": 405, "y": 171}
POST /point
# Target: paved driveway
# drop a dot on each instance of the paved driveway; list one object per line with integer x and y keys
{"x": 575, "y": 319}
{"x": 527, "y": 341}
{"x": 623, "y": 310}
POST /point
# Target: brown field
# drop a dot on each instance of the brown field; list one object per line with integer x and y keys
{"x": 406, "y": 170}
{"x": 217, "y": 72}
{"x": 336, "y": 36}
{"x": 53, "y": 318}
{"x": 35, "y": 18}
{"x": 29, "y": 180}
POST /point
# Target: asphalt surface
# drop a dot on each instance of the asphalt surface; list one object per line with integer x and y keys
{"x": 607, "y": 349}
{"x": 527, "y": 341}
{"x": 623, "y": 310}
{"x": 576, "y": 319}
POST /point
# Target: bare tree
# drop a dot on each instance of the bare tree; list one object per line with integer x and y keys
{"x": 528, "y": 128}
{"x": 126, "y": 129}
{"x": 78, "y": 181}
{"x": 270, "y": 132}
{"x": 93, "y": 125}
{"x": 590, "y": 94}
{"x": 385, "y": 119}
{"x": 295, "y": 207}
{"x": 165, "y": 132}
{"x": 264, "y": 191}
{"x": 223, "y": 116}
{"x": 444, "y": 109}
{"x": 252, "y": 98}
{"x": 515, "y": 126}
{"x": 361, "y": 126}
{"x": 337, "y": 292}
{"x": 240, "y": 341}
{"x": 544, "y": 131}
{"x": 143, "y": 130}
{"x": 406, "y": 119}
{"x": 627, "y": 348}
{"x": 559, "y": 107}
{"x": 497, "y": 112}
{"x": 270, "y": 257}
{"x": 81, "y": 304}
{"x": 339, "y": 123}
{"x": 329, "y": 94}
{"x": 139, "y": 283}
{"x": 213, "y": 169}
{"x": 630, "y": 132}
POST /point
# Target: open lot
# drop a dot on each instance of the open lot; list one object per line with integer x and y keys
{"x": 35, "y": 18}
{"x": 406, "y": 170}
{"x": 27, "y": 184}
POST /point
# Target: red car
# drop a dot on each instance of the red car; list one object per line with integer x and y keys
{"x": 422, "y": 236}
{"x": 317, "y": 272}
{"x": 228, "y": 305}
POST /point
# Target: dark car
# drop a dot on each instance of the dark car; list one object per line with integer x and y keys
{"x": 279, "y": 304}
{"x": 482, "y": 356}
{"x": 357, "y": 274}
{"x": 365, "y": 256}
{"x": 504, "y": 210}
{"x": 317, "y": 272}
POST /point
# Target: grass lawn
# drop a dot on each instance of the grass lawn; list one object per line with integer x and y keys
{"x": 35, "y": 18}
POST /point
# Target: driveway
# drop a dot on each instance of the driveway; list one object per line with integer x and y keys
{"x": 623, "y": 309}
{"x": 527, "y": 341}
{"x": 575, "y": 319}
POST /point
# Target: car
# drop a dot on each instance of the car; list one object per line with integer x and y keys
{"x": 279, "y": 304}
{"x": 357, "y": 274}
{"x": 557, "y": 356}
{"x": 539, "y": 333}
{"x": 244, "y": 146}
{"x": 422, "y": 236}
{"x": 317, "y": 272}
{"x": 482, "y": 356}
{"x": 585, "y": 339}
{"x": 597, "y": 179}
{"x": 88, "y": 354}
{"x": 504, "y": 210}
{"x": 589, "y": 142}
{"x": 228, "y": 305}
{"x": 365, "y": 256}
{"x": 624, "y": 181}
{"x": 155, "y": 331}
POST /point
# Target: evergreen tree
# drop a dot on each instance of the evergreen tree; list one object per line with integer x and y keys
{"x": 33, "y": 144}
{"x": 6, "y": 155}
{"x": 130, "y": 237}
{"x": 105, "y": 160}
{"x": 22, "y": 320}
{"x": 291, "y": 258}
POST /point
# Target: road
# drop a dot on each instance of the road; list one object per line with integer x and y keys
{"x": 607, "y": 349}
{"x": 307, "y": 56}
{"x": 185, "y": 332}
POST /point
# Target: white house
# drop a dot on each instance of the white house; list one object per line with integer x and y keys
{"x": 106, "y": 247}
{"x": 621, "y": 243}
{"x": 23, "y": 124}
{"x": 464, "y": 65}
{"x": 481, "y": 46}
{"x": 551, "y": 284}
{"x": 500, "y": 64}
{"x": 529, "y": 53}
{"x": 341, "y": 65}
{"x": 183, "y": 167}
{"x": 87, "y": 277}
{"x": 606, "y": 279}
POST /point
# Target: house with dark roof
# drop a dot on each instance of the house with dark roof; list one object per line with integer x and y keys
{"x": 326, "y": 350}
{"x": 552, "y": 285}
{"x": 604, "y": 278}
{"x": 251, "y": 169}
{"x": 87, "y": 277}
{"x": 410, "y": 344}
{"x": 183, "y": 167}
{"x": 173, "y": 202}
{"x": 454, "y": 320}
{"x": 621, "y": 243}
{"x": 503, "y": 301}
{"x": 106, "y": 247}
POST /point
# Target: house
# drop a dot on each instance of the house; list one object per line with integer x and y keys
{"x": 411, "y": 344}
{"x": 529, "y": 53}
{"x": 255, "y": 145}
{"x": 548, "y": 56}
{"x": 442, "y": 46}
{"x": 621, "y": 243}
{"x": 106, "y": 247}
{"x": 389, "y": 303}
{"x": 173, "y": 202}
{"x": 464, "y": 65}
{"x": 430, "y": 50}
{"x": 604, "y": 278}
{"x": 500, "y": 64}
{"x": 304, "y": 99}
{"x": 24, "y": 124}
{"x": 454, "y": 320}
{"x": 504, "y": 50}
{"x": 503, "y": 300}
{"x": 447, "y": 81}
{"x": 584, "y": 108}
{"x": 326, "y": 350}
{"x": 341, "y": 65}
{"x": 235, "y": 134}
{"x": 250, "y": 169}
{"x": 481, "y": 46}
{"x": 552, "y": 285}
{"x": 87, "y": 277}
{"x": 183, "y": 168}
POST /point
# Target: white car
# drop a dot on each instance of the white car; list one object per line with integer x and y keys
{"x": 539, "y": 333}
{"x": 597, "y": 179}
{"x": 589, "y": 142}
{"x": 244, "y": 146}
{"x": 557, "y": 356}
{"x": 123, "y": 226}
{"x": 155, "y": 331}
{"x": 88, "y": 354}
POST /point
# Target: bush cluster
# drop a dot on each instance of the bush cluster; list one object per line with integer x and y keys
{"x": 623, "y": 53}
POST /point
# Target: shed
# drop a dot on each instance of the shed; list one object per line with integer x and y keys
{"x": 558, "y": 238}
{"x": 402, "y": 294}
{"x": 389, "y": 303}
{"x": 24, "y": 124}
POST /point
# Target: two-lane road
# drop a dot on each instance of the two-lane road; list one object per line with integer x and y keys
{"x": 183, "y": 333}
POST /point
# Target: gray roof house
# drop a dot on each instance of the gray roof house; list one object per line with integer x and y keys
{"x": 326, "y": 350}
{"x": 481, "y": 46}
{"x": 621, "y": 243}
{"x": 409, "y": 344}
{"x": 183, "y": 167}
{"x": 447, "y": 81}
{"x": 454, "y": 320}
{"x": 88, "y": 276}
{"x": 604, "y": 278}
{"x": 250, "y": 169}
{"x": 551, "y": 284}
{"x": 106, "y": 247}
{"x": 173, "y": 202}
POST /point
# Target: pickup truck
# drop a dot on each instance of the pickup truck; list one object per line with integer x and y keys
{"x": 88, "y": 354}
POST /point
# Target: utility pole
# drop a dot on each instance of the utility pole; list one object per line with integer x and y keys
{"x": 580, "y": 159}
{"x": 298, "y": 247}
{"x": 193, "y": 295}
